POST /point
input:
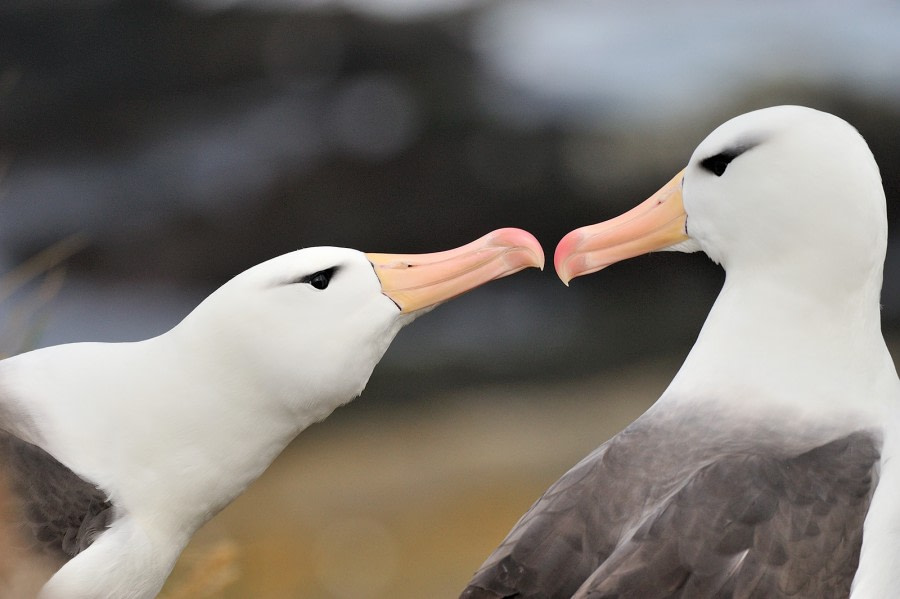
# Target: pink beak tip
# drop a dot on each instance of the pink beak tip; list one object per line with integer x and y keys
{"x": 564, "y": 250}
{"x": 519, "y": 238}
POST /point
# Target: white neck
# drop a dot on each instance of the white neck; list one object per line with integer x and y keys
{"x": 169, "y": 439}
{"x": 170, "y": 443}
{"x": 769, "y": 344}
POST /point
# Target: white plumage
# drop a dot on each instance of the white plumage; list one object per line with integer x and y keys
{"x": 152, "y": 438}
{"x": 753, "y": 473}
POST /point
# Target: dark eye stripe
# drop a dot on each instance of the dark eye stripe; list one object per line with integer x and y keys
{"x": 718, "y": 163}
{"x": 319, "y": 279}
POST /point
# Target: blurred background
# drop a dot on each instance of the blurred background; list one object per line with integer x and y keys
{"x": 151, "y": 150}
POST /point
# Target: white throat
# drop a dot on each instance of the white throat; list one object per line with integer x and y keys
{"x": 770, "y": 348}
{"x": 170, "y": 437}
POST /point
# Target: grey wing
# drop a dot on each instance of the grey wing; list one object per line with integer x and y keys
{"x": 752, "y": 525}
{"x": 740, "y": 525}
{"x": 570, "y": 531}
{"x": 57, "y": 513}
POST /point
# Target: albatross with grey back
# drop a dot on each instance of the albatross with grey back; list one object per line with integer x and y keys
{"x": 115, "y": 453}
{"x": 765, "y": 469}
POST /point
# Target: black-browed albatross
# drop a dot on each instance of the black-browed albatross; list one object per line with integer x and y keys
{"x": 765, "y": 469}
{"x": 118, "y": 452}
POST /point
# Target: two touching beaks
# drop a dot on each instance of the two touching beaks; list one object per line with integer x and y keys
{"x": 417, "y": 281}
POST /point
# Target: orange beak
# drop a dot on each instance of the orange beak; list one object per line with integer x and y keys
{"x": 656, "y": 223}
{"x": 416, "y": 281}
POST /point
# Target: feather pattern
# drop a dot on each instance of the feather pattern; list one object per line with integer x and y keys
{"x": 659, "y": 511}
{"x": 61, "y": 513}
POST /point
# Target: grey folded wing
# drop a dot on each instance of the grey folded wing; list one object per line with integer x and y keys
{"x": 54, "y": 511}
{"x": 740, "y": 524}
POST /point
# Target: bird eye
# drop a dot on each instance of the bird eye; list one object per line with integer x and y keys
{"x": 319, "y": 280}
{"x": 718, "y": 163}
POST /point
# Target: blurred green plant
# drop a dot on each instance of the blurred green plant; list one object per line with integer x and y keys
{"x": 26, "y": 291}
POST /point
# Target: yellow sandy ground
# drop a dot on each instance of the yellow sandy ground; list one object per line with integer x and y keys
{"x": 406, "y": 504}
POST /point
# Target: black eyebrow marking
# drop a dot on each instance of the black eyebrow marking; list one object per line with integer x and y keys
{"x": 328, "y": 272}
{"x": 718, "y": 163}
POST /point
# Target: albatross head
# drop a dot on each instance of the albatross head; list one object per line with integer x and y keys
{"x": 791, "y": 188}
{"x": 308, "y": 327}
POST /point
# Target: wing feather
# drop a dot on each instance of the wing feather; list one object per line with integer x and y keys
{"x": 59, "y": 514}
{"x": 646, "y": 517}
